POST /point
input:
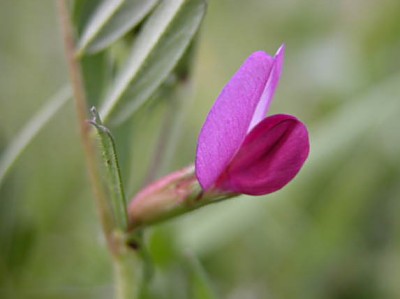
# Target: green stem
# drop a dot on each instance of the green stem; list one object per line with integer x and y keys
{"x": 127, "y": 276}
{"x": 124, "y": 258}
{"x": 81, "y": 110}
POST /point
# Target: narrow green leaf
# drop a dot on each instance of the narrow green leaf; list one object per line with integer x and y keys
{"x": 158, "y": 48}
{"x": 81, "y": 12}
{"x": 114, "y": 180}
{"x": 105, "y": 10}
{"x": 111, "y": 20}
{"x": 31, "y": 129}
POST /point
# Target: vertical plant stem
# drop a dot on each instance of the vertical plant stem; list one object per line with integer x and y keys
{"x": 81, "y": 110}
{"x": 124, "y": 270}
{"x": 127, "y": 276}
{"x": 123, "y": 257}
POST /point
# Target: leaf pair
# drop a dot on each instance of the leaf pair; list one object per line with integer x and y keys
{"x": 156, "y": 50}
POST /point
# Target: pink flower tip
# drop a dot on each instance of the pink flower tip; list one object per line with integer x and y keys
{"x": 240, "y": 150}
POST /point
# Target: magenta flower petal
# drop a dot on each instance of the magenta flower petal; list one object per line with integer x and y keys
{"x": 242, "y": 103}
{"x": 270, "y": 157}
{"x": 270, "y": 88}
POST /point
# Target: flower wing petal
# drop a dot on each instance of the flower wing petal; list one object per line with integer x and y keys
{"x": 229, "y": 120}
{"x": 270, "y": 157}
{"x": 270, "y": 88}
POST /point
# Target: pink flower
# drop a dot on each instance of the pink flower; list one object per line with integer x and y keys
{"x": 240, "y": 150}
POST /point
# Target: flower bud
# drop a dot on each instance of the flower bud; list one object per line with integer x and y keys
{"x": 165, "y": 198}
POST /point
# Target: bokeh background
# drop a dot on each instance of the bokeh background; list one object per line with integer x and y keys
{"x": 333, "y": 233}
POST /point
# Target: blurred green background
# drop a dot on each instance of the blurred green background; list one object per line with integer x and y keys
{"x": 333, "y": 233}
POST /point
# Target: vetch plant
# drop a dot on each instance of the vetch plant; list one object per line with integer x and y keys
{"x": 240, "y": 150}
{"x": 130, "y": 66}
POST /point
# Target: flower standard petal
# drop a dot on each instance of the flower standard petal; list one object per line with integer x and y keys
{"x": 229, "y": 119}
{"x": 270, "y": 157}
